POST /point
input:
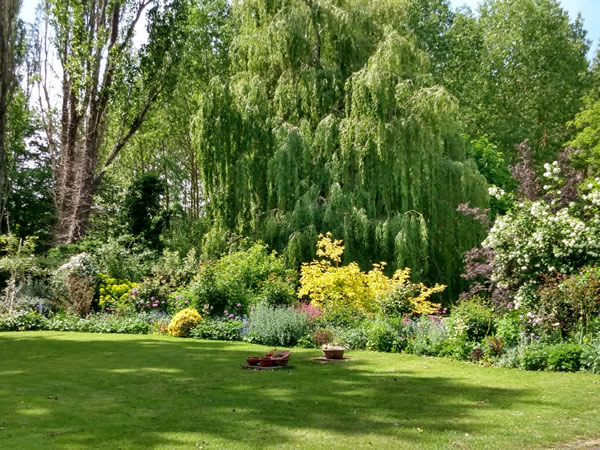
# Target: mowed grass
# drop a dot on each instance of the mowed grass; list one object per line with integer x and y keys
{"x": 75, "y": 390}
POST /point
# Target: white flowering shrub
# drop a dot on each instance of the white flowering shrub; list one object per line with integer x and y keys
{"x": 74, "y": 283}
{"x": 537, "y": 238}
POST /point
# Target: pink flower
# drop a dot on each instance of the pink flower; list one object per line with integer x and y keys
{"x": 239, "y": 305}
{"x": 509, "y": 306}
{"x": 152, "y": 298}
{"x": 253, "y": 308}
{"x": 231, "y": 316}
{"x": 187, "y": 302}
{"x": 154, "y": 305}
{"x": 163, "y": 302}
{"x": 225, "y": 312}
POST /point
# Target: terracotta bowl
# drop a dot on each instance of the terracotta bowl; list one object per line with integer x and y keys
{"x": 333, "y": 354}
{"x": 280, "y": 361}
{"x": 265, "y": 362}
{"x": 252, "y": 360}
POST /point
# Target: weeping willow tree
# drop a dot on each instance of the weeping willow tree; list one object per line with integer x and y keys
{"x": 329, "y": 121}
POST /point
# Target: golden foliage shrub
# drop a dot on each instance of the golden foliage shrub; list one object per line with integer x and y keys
{"x": 334, "y": 288}
{"x": 184, "y": 322}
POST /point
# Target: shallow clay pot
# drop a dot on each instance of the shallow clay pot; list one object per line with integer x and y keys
{"x": 334, "y": 353}
{"x": 265, "y": 362}
{"x": 253, "y": 360}
{"x": 280, "y": 361}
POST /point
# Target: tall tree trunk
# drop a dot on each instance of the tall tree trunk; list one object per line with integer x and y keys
{"x": 93, "y": 38}
{"x": 8, "y": 17}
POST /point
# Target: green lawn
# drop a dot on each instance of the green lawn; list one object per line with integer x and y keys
{"x": 75, "y": 390}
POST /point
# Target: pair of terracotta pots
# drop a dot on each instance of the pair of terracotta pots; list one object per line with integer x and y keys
{"x": 277, "y": 359}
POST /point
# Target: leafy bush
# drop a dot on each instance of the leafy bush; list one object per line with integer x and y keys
{"x": 94, "y": 323}
{"x": 22, "y": 321}
{"x": 123, "y": 258}
{"x": 386, "y": 336}
{"x": 184, "y": 322}
{"x": 494, "y": 346}
{"x": 277, "y": 326}
{"x": 173, "y": 271}
{"x": 151, "y": 295}
{"x": 428, "y": 336}
{"x": 534, "y": 357}
{"x": 277, "y": 291}
{"x": 352, "y": 338}
{"x": 219, "y": 330}
{"x": 114, "y": 294}
{"x": 458, "y": 347}
{"x": 508, "y": 328}
{"x": 564, "y": 357}
{"x": 74, "y": 283}
{"x": 472, "y": 318}
{"x": 511, "y": 358}
{"x": 396, "y": 303}
{"x": 566, "y": 300}
{"x": 243, "y": 277}
{"x": 590, "y": 357}
{"x": 322, "y": 337}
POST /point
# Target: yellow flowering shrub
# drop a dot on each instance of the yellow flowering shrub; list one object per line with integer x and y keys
{"x": 114, "y": 293}
{"x": 335, "y": 289}
{"x": 183, "y": 322}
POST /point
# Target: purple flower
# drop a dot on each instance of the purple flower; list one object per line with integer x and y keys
{"x": 509, "y": 306}
{"x": 231, "y": 316}
{"x": 187, "y": 302}
{"x": 152, "y": 298}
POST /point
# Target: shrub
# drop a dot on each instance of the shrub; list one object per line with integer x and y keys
{"x": 352, "y": 338}
{"x": 151, "y": 295}
{"x": 22, "y": 321}
{"x": 123, "y": 258}
{"x": 428, "y": 337}
{"x": 219, "y": 330}
{"x": 277, "y": 326}
{"x": 322, "y": 337}
{"x": 494, "y": 346}
{"x": 564, "y": 357}
{"x": 276, "y": 291}
{"x": 114, "y": 294}
{"x": 386, "y": 336}
{"x": 511, "y": 358}
{"x": 457, "y": 347}
{"x": 566, "y": 300}
{"x": 345, "y": 291}
{"x": 184, "y": 322}
{"x": 534, "y": 357}
{"x": 508, "y": 328}
{"x": 590, "y": 357}
{"x": 473, "y": 318}
{"x": 544, "y": 237}
{"x": 74, "y": 283}
{"x": 173, "y": 272}
{"x": 476, "y": 354}
{"x": 243, "y": 277}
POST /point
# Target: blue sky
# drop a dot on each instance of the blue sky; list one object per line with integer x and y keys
{"x": 589, "y": 9}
